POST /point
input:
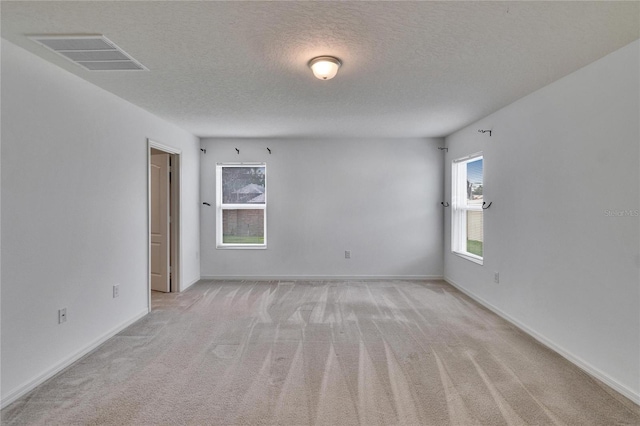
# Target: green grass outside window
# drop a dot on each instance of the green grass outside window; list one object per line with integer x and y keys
{"x": 235, "y": 239}
{"x": 474, "y": 247}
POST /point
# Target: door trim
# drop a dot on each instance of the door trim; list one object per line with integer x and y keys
{"x": 175, "y": 188}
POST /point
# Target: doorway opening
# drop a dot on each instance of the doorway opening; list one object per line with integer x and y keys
{"x": 163, "y": 218}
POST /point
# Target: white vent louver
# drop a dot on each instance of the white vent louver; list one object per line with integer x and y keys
{"x": 95, "y": 52}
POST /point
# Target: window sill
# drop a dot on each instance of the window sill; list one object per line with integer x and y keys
{"x": 470, "y": 257}
{"x": 241, "y": 247}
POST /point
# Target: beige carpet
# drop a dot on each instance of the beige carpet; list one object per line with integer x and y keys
{"x": 333, "y": 353}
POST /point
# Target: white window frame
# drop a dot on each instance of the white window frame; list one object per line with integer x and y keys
{"x": 460, "y": 207}
{"x": 225, "y": 206}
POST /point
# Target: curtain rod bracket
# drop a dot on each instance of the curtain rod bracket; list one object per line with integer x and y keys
{"x": 485, "y": 131}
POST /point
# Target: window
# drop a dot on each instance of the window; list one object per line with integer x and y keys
{"x": 241, "y": 205}
{"x": 467, "y": 234}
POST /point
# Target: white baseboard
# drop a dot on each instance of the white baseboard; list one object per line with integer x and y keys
{"x": 190, "y": 284}
{"x": 580, "y": 363}
{"x": 320, "y": 277}
{"x": 42, "y": 377}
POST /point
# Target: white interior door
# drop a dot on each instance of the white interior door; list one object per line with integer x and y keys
{"x": 159, "y": 175}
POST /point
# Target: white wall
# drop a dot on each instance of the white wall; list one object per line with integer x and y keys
{"x": 557, "y": 161}
{"x": 74, "y": 214}
{"x": 378, "y": 198}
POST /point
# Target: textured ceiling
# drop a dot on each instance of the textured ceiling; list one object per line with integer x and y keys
{"x": 410, "y": 69}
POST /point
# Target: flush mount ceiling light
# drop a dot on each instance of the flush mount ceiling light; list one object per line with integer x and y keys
{"x": 325, "y": 67}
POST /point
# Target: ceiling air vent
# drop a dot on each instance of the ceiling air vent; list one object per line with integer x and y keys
{"x": 93, "y": 52}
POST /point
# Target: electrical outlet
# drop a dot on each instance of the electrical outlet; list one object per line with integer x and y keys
{"x": 496, "y": 277}
{"x": 116, "y": 290}
{"x": 62, "y": 315}
{"x": 347, "y": 254}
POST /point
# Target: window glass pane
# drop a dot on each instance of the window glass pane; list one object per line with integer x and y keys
{"x": 474, "y": 182}
{"x": 243, "y": 226}
{"x": 467, "y": 193}
{"x": 243, "y": 185}
{"x": 475, "y": 233}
